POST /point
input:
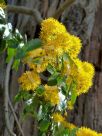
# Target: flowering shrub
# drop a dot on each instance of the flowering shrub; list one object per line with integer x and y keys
{"x": 67, "y": 78}
{"x": 55, "y": 76}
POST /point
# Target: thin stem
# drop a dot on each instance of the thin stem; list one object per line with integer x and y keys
{"x": 6, "y": 98}
{"x": 16, "y": 119}
{"x": 7, "y": 101}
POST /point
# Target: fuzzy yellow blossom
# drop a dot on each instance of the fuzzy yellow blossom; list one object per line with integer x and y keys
{"x": 29, "y": 80}
{"x": 73, "y": 46}
{"x": 57, "y": 40}
{"x": 70, "y": 105}
{"x": 50, "y": 28}
{"x": 88, "y": 68}
{"x": 82, "y": 73}
{"x": 51, "y": 94}
{"x": 84, "y": 77}
{"x": 86, "y": 132}
{"x": 62, "y": 43}
{"x": 57, "y": 117}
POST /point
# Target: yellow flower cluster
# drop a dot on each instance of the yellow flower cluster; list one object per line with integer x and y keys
{"x": 50, "y": 28}
{"x": 83, "y": 131}
{"x": 51, "y": 94}
{"x": 82, "y": 73}
{"x": 36, "y": 54}
{"x": 57, "y": 117}
{"x": 56, "y": 40}
{"x": 29, "y": 80}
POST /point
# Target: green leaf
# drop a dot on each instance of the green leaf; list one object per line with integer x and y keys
{"x": 12, "y": 43}
{"x": 20, "y": 53}
{"x": 33, "y": 44}
{"x": 61, "y": 80}
{"x": 10, "y": 53}
{"x": 73, "y": 132}
{"x": 64, "y": 89}
{"x": 53, "y": 79}
{"x": 51, "y": 69}
{"x": 16, "y": 64}
{"x": 40, "y": 90}
{"x": 22, "y": 95}
{"x": 44, "y": 125}
{"x": 73, "y": 92}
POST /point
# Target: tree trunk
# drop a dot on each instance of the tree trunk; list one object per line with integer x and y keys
{"x": 88, "y": 111}
{"x": 79, "y": 20}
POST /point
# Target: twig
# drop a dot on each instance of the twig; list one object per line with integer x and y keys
{"x": 62, "y": 8}
{"x": 16, "y": 119}
{"x": 6, "y": 97}
{"x": 24, "y": 10}
{"x": 7, "y": 101}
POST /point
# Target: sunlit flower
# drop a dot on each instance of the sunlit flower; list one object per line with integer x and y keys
{"x": 57, "y": 117}
{"x": 82, "y": 73}
{"x": 73, "y": 46}
{"x": 50, "y": 28}
{"x": 29, "y": 80}
{"x": 86, "y": 132}
{"x": 70, "y": 105}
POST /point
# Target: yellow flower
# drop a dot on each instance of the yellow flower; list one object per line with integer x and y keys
{"x": 63, "y": 42}
{"x": 73, "y": 46}
{"x": 88, "y": 68}
{"x": 57, "y": 117}
{"x": 51, "y": 94}
{"x": 86, "y": 132}
{"x": 29, "y": 80}
{"x": 82, "y": 73}
{"x": 50, "y": 28}
{"x": 70, "y": 105}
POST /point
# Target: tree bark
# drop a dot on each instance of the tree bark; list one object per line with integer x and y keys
{"x": 88, "y": 111}
{"x": 80, "y": 19}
